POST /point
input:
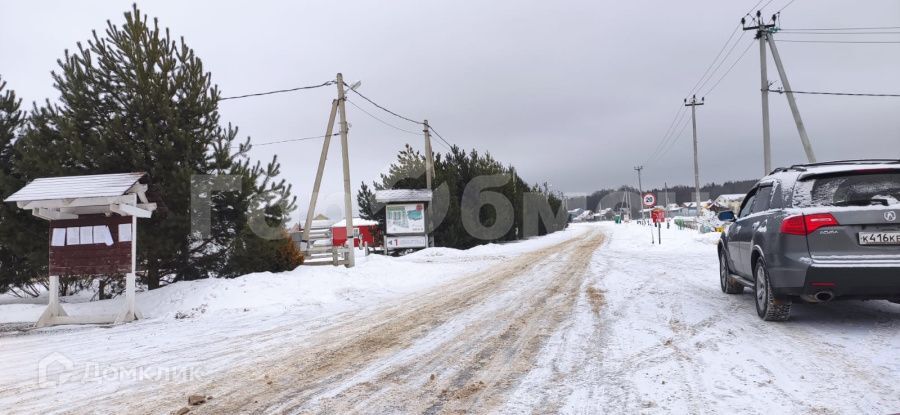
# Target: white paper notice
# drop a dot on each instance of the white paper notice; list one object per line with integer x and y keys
{"x": 59, "y": 237}
{"x": 87, "y": 235}
{"x": 102, "y": 235}
{"x": 72, "y": 236}
{"x": 124, "y": 232}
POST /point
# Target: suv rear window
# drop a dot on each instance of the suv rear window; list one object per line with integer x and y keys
{"x": 850, "y": 189}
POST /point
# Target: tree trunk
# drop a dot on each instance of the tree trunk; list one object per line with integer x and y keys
{"x": 152, "y": 275}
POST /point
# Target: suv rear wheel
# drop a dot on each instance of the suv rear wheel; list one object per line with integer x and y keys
{"x": 728, "y": 284}
{"x": 768, "y": 306}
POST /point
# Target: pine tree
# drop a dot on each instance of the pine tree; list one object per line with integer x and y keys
{"x": 135, "y": 99}
{"x": 455, "y": 170}
{"x": 23, "y": 239}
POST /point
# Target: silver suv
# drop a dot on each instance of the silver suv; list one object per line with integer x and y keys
{"x": 815, "y": 232}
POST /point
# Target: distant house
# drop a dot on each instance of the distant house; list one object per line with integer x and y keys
{"x": 364, "y": 227}
{"x": 576, "y": 201}
{"x": 730, "y": 202}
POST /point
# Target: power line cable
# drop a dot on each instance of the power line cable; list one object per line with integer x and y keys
{"x": 730, "y": 51}
{"x": 278, "y": 91}
{"x": 740, "y": 58}
{"x": 383, "y": 121}
{"x": 676, "y": 137}
{"x": 716, "y": 59}
{"x": 753, "y": 8}
{"x": 840, "y": 28}
{"x": 266, "y": 143}
{"x": 766, "y": 5}
{"x": 447, "y": 143}
{"x": 667, "y": 136}
{"x": 669, "y": 139}
{"x": 785, "y": 6}
{"x": 830, "y": 33}
{"x": 849, "y": 94}
{"x": 383, "y": 108}
{"x": 705, "y": 78}
{"x": 840, "y": 41}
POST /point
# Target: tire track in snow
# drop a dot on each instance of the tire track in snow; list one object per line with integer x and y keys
{"x": 293, "y": 376}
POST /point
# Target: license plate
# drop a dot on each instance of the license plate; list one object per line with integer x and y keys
{"x": 879, "y": 238}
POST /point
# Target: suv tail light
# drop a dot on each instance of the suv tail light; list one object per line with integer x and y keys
{"x": 807, "y": 224}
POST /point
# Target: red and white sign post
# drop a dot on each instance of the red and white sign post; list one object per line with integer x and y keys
{"x": 659, "y": 216}
{"x": 649, "y": 200}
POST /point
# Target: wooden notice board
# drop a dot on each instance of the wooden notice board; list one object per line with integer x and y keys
{"x": 91, "y": 245}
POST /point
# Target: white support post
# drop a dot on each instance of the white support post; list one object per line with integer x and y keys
{"x": 130, "y": 312}
{"x": 54, "y": 310}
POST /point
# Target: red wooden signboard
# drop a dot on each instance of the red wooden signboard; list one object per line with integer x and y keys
{"x": 90, "y": 245}
{"x": 658, "y": 215}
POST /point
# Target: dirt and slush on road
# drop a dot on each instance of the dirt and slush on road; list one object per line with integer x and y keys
{"x": 598, "y": 320}
{"x": 460, "y": 348}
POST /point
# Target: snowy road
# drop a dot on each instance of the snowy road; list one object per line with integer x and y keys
{"x": 599, "y": 321}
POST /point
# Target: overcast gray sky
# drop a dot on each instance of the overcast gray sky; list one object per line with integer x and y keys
{"x": 575, "y": 93}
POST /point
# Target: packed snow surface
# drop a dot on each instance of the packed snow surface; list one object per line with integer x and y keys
{"x": 594, "y": 319}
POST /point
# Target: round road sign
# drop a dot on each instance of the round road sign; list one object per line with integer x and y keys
{"x": 649, "y": 200}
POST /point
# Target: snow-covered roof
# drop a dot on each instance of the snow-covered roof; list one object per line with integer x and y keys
{"x": 73, "y": 187}
{"x": 730, "y": 198}
{"x": 320, "y": 223}
{"x": 356, "y": 222}
{"x": 402, "y": 195}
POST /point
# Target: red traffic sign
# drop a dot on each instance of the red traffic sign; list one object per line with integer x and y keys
{"x": 658, "y": 215}
{"x": 649, "y": 200}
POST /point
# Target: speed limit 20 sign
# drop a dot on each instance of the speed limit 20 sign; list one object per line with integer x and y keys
{"x": 649, "y": 200}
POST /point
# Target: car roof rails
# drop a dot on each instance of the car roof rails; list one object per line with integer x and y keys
{"x": 857, "y": 161}
{"x": 805, "y": 167}
{"x": 795, "y": 167}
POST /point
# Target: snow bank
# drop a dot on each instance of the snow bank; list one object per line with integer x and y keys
{"x": 315, "y": 287}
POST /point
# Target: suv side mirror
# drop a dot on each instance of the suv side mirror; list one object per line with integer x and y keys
{"x": 726, "y": 216}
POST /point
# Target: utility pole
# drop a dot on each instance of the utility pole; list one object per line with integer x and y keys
{"x": 429, "y": 172}
{"x": 666, "y": 207}
{"x": 693, "y": 103}
{"x": 762, "y": 34}
{"x": 765, "y": 34}
{"x": 801, "y": 129}
{"x": 311, "y": 212}
{"x": 348, "y": 206}
{"x": 640, "y": 190}
{"x": 429, "y": 156}
{"x": 666, "y": 187}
